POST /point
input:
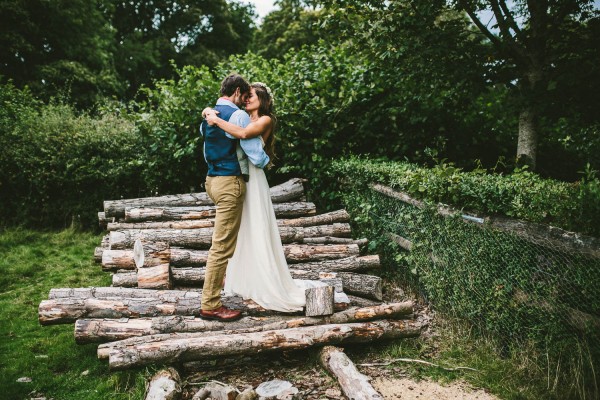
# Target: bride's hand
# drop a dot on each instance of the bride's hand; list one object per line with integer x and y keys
{"x": 211, "y": 117}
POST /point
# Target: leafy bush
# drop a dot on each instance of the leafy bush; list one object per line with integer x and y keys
{"x": 56, "y": 166}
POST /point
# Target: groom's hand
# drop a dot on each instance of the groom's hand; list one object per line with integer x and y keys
{"x": 211, "y": 117}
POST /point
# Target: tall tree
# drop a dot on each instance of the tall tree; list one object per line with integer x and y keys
{"x": 58, "y": 45}
{"x": 529, "y": 38}
{"x": 151, "y": 33}
{"x": 291, "y": 25}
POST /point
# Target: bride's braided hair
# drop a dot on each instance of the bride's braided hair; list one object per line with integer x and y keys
{"x": 266, "y": 107}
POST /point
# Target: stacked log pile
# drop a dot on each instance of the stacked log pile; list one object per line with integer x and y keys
{"x": 156, "y": 250}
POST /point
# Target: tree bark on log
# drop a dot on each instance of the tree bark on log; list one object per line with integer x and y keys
{"x": 140, "y": 215}
{"x": 345, "y": 256}
{"x": 355, "y": 385}
{"x": 319, "y": 301}
{"x": 201, "y": 238}
{"x": 321, "y": 219}
{"x": 190, "y": 224}
{"x": 190, "y": 349}
{"x": 146, "y": 303}
{"x": 164, "y": 385}
{"x": 107, "y": 330}
{"x": 284, "y": 192}
{"x": 363, "y": 285}
{"x": 189, "y": 276}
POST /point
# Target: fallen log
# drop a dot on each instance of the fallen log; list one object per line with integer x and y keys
{"x": 190, "y": 224}
{"x": 106, "y": 330}
{"x": 139, "y": 215}
{"x": 343, "y": 254}
{"x": 189, "y": 349}
{"x": 355, "y": 385}
{"x": 164, "y": 385}
{"x": 201, "y": 238}
{"x": 284, "y": 192}
{"x": 321, "y": 219}
{"x": 195, "y": 276}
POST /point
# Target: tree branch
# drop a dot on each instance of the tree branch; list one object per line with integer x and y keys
{"x": 509, "y": 16}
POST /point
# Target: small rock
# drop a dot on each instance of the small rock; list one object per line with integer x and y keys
{"x": 24, "y": 379}
{"x": 85, "y": 373}
{"x": 272, "y": 388}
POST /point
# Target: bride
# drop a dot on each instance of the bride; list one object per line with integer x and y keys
{"x": 258, "y": 269}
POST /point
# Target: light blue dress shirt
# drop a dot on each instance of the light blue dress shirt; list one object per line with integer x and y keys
{"x": 252, "y": 147}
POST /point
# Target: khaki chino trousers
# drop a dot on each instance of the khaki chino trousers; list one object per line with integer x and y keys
{"x": 227, "y": 192}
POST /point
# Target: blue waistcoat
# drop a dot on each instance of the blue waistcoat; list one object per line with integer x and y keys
{"x": 220, "y": 150}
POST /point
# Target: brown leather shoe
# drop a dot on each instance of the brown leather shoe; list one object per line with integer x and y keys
{"x": 221, "y": 314}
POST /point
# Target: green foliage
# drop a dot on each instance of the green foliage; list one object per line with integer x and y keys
{"x": 516, "y": 290}
{"x": 89, "y": 50}
{"x": 522, "y": 194}
{"x": 56, "y": 166}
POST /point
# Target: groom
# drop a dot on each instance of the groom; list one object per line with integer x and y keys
{"x": 227, "y": 159}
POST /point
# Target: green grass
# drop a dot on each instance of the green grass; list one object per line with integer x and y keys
{"x": 31, "y": 263}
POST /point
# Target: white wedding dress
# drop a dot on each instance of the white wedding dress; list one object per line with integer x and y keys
{"x": 258, "y": 269}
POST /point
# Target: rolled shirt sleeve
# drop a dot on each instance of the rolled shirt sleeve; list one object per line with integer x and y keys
{"x": 252, "y": 147}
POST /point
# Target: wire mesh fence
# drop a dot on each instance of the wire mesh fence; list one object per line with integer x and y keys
{"x": 514, "y": 287}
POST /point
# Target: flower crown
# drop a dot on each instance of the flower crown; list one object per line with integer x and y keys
{"x": 268, "y": 89}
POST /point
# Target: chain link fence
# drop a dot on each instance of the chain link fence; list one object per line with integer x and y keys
{"x": 518, "y": 289}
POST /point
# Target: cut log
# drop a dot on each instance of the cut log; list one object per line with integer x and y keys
{"x": 348, "y": 264}
{"x": 282, "y": 210}
{"x": 322, "y": 219}
{"x": 164, "y": 385}
{"x": 201, "y": 238}
{"x": 195, "y": 276}
{"x": 304, "y": 253}
{"x": 284, "y": 192}
{"x": 103, "y": 221}
{"x": 294, "y": 253}
{"x": 319, "y": 301}
{"x": 192, "y": 224}
{"x": 333, "y": 240}
{"x": 68, "y": 309}
{"x": 125, "y": 279}
{"x": 368, "y": 286}
{"x": 355, "y": 385}
{"x": 106, "y": 330}
{"x": 104, "y": 245}
{"x": 190, "y": 349}
{"x": 150, "y": 254}
{"x": 157, "y": 277}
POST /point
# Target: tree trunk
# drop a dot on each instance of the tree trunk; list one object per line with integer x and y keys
{"x": 190, "y": 349}
{"x": 355, "y": 385}
{"x": 164, "y": 385}
{"x": 201, "y": 238}
{"x": 107, "y": 330}
{"x": 528, "y": 138}
{"x": 284, "y": 192}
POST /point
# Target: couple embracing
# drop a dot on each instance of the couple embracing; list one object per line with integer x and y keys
{"x": 246, "y": 246}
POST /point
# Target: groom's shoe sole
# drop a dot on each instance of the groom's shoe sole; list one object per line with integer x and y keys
{"x": 221, "y": 314}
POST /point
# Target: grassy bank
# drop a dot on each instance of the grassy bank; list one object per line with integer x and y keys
{"x": 31, "y": 263}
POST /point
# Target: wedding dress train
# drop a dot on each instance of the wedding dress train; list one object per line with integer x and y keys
{"x": 258, "y": 269}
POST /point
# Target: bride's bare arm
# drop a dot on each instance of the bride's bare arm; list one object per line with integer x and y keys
{"x": 253, "y": 129}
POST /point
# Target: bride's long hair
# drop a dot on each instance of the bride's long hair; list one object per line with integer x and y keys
{"x": 267, "y": 108}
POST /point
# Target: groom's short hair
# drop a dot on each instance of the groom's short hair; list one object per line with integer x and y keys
{"x": 232, "y": 82}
